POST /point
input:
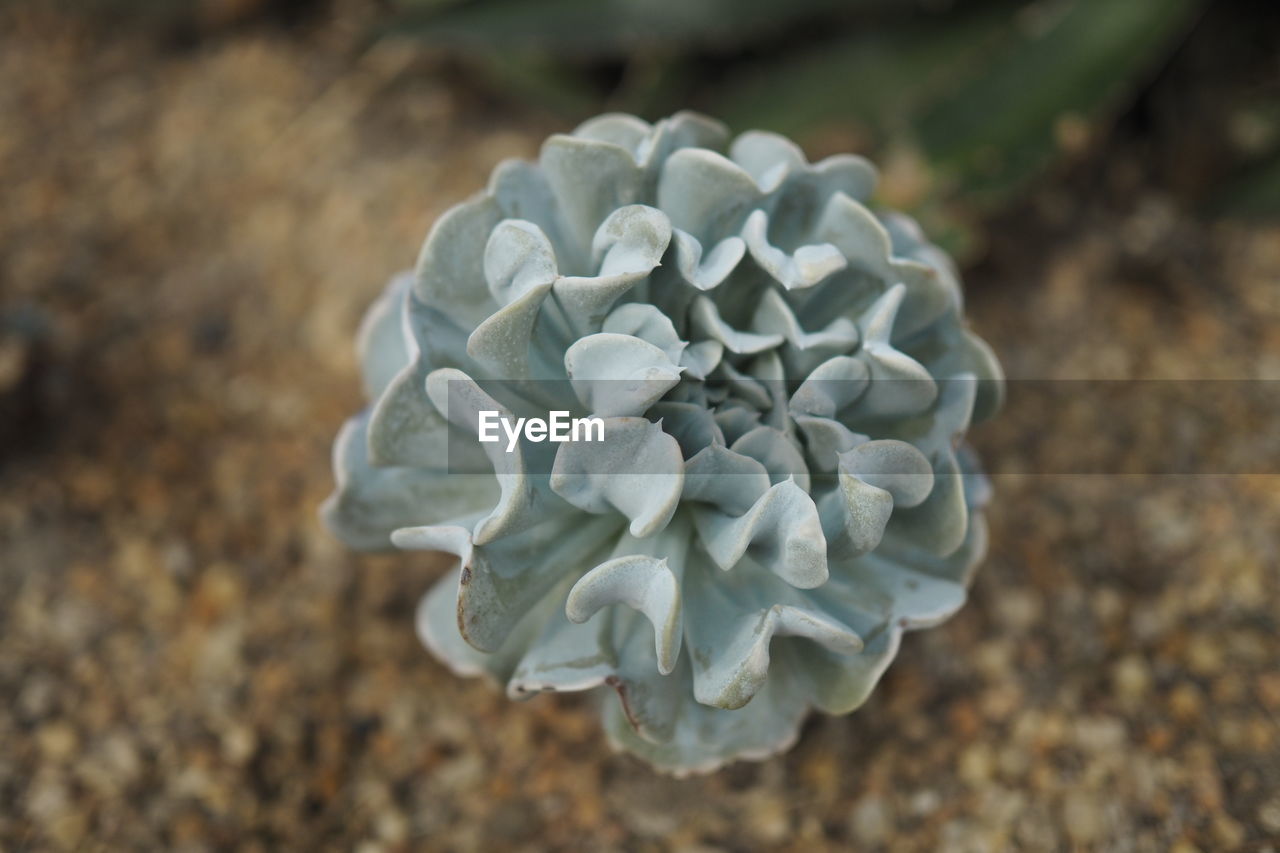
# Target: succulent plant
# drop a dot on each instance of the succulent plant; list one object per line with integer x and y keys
{"x": 785, "y": 380}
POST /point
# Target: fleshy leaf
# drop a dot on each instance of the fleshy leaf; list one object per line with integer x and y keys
{"x": 781, "y": 530}
{"x": 619, "y": 375}
{"x": 804, "y": 267}
{"x": 383, "y": 343}
{"x": 636, "y": 470}
{"x": 644, "y": 584}
{"x": 370, "y": 502}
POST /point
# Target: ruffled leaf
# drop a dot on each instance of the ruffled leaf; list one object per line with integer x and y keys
{"x": 636, "y": 470}
{"x": 619, "y": 375}
{"x": 643, "y": 583}
{"x": 781, "y": 530}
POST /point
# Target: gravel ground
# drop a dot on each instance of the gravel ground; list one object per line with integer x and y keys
{"x": 187, "y": 240}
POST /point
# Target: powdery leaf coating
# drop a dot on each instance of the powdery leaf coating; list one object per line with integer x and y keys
{"x": 786, "y": 380}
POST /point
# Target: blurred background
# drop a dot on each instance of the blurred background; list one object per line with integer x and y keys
{"x": 200, "y": 198}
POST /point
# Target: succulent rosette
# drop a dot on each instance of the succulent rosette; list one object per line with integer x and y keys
{"x": 785, "y": 380}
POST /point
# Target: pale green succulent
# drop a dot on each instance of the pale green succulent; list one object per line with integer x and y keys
{"x": 785, "y": 377}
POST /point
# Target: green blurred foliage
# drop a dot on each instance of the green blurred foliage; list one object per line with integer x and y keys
{"x": 1256, "y": 193}
{"x": 962, "y": 102}
{"x": 978, "y": 95}
{"x": 605, "y": 28}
